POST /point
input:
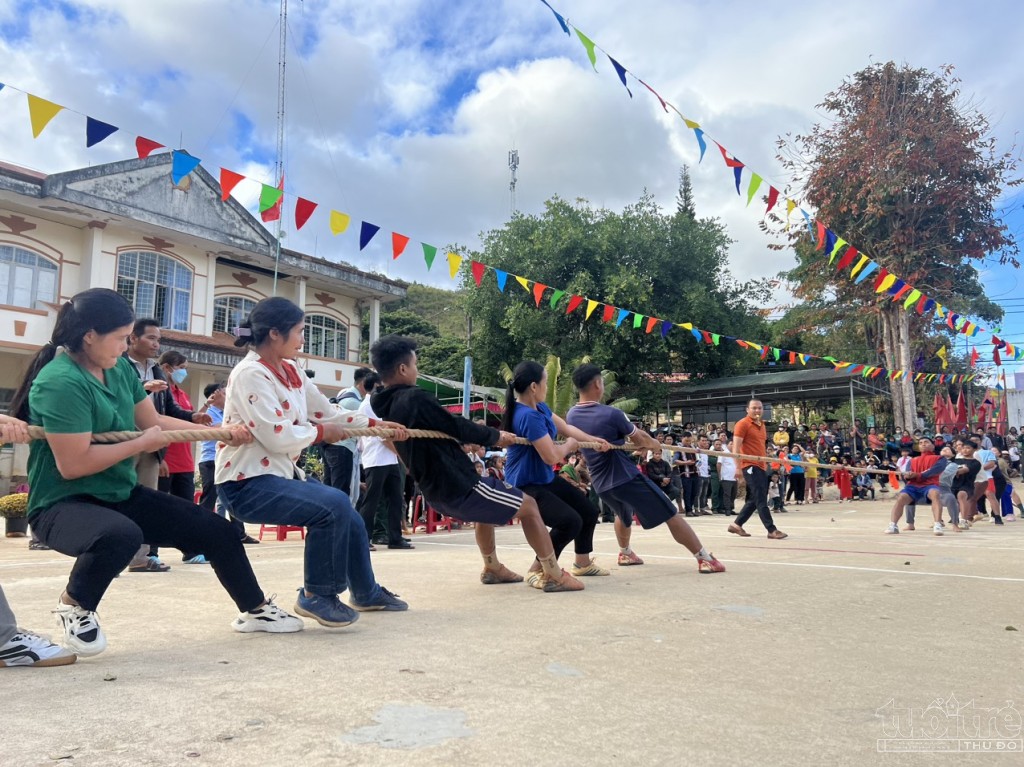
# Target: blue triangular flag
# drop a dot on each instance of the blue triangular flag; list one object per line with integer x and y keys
{"x": 666, "y": 326}
{"x": 738, "y": 171}
{"x": 871, "y": 267}
{"x": 96, "y": 131}
{"x": 701, "y": 142}
{"x": 366, "y": 233}
{"x": 623, "y": 313}
{"x": 502, "y": 276}
{"x": 810, "y": 227}
{"x": 561, "y": 21}
{"x": 696, "y": 334}
{"x": 621, "y": 72}
{"x": 830, "y": 241}
{"x": 182, "y": 163}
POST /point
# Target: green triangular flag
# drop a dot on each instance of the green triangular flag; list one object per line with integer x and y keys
{"x": 776, "y": 353}
{"x": 637, "y": 320}
{"x": 589, "y": 45}
{"x": 755, "y": 182}
{"x": 269, "y": 197}
{"x": 715, "y": 338}
{"x": 556, "y": 297}
{"x": 429, "y": 251}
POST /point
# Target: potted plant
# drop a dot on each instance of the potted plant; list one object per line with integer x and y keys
{"x": 13, "y": 509}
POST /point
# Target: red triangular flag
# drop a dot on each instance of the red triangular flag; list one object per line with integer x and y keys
{"x": 920, "y": 304}
{"x": 764, "y": 352}
{"x": 398, "y": 243}
{"x": 145, "y": 147}
{"x": 773, "y": 197}
{"x": 881, "y": 277}
{"x": 303, "y": 210}
{"x": 974, "y": 356}
{"x": 538, "y": 292}
{"x": 478, "y": 269}
{"x": 706, "y": 335}
{"x": 792, "y": 358}
{"x": 742, "y": 343}
{"x": 609, "y": 313}
{"x": 995, "y": 356}
{"x": 574, "y": 303}
{"x": 847, "y": 258}
{"x": 821, "y": 235}
{"x": 651, "y": 323}
{"x": 228, "y": 181}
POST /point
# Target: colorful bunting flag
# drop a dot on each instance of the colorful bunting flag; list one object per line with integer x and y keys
{"x": 651, "y": 323}
{"x": 609, "y": 313}
{"x": 538, "y": 292}
{"x": 755, "y": 182}
{"x": 429, "y": 253}
{"x": 40, "y": 112}
{"x": 228, "y": 181}
{"x": 398, "y": 243}
{"x": 591, "y": 305}
{"x": 96, "y": 131}
{"x": 145, "y": 147}
{"x": 623, "y": 313}
{"x": 555, "y": 298}
{"x": 182, "y": 163}
{"x": 621, "y": 72}
{"x": 941, "y": 354}
{"x": 454, "y": 262}
{"x": 303, "y": 210}
{"x": 478, "y": 272}
{"x": 638, "y": 321}
{"x": 666, "y": 326}
{"x": 589, "y": 45}
{"x": 871, "y": 267}
{"x": 561, "y": 19}
{"x": 574, "y": 303}
{"x": 271, "y": 212}
{"x": 502, "y": 277}
{"x": 524, "y": 282}
{"x": 773, "y": 197}
{"x": 367, "y": 232}
{"x": 339, "y": 224}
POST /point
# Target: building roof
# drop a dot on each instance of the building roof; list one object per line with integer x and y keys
{"x": 787, "y": 386}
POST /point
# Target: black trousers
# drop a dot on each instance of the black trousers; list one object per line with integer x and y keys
{"x": 104, "y": 536}
{"x": 757, "y": 498}
{"x": 728, "y": 496}
{"x": 338, "y": 463}
{"x": 384, "y": 484}
{"x": 568, "y": 512}
{"x": 797, "y": 486}
{"x": 688, "y": 491}
{"x": 180, "y": 484}
{"x": 208, "y": 500}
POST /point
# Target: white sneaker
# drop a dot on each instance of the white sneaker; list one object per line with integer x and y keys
{"x": 964, "y": 524}
{"x": 937, "y": 528}
{"x": 28, "y": 649}
{"x": 892, "y": 529}
{"x": 82, "y": 632}
{"x": 269, "y": 618}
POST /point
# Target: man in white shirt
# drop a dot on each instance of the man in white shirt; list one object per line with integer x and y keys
{"x": 342, "y": 458}
{"x": 727, "y": 478}
{"x": 384, "y": 484}
{"x": 987, "y": 459}
{"x": 704, "y": 473}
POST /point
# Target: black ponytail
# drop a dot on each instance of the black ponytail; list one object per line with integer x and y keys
{"x": 526, "y": 373}
{"x": 275, "y": 313}
{"x": 98, "y": 309}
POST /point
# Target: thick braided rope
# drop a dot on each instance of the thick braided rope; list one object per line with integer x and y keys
{"x": 203, "y": 435}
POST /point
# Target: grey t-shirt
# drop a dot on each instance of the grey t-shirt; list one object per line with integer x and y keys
{"x": 614, "y": 468}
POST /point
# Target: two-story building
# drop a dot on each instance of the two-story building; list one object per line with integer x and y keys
{"x": 179, "y": 253}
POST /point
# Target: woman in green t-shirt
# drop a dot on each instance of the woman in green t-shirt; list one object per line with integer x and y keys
{"x": 85, "y": 501}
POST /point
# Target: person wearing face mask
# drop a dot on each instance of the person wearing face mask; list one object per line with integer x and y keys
{"x": 180, "y": 478}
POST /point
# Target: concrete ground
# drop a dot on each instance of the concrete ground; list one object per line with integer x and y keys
{"x": 822, "y": 649}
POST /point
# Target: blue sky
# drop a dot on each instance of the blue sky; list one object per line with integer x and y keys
{"x": 403, "y": 112}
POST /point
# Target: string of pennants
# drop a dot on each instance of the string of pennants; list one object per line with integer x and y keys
{"x": 860, "y": 265}
{"x": 271, "y": 199}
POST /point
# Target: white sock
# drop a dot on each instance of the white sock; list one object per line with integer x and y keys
{"x": 702, "y": 554}
{"x": 626, "y": 550}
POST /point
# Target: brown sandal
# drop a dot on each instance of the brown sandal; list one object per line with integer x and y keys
{"x": 501, "y": 575}
{"x": 737, "y": 530}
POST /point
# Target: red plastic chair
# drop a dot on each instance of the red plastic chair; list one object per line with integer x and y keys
{"x": 433, "y": 520}
{"x": 281, "y": 531}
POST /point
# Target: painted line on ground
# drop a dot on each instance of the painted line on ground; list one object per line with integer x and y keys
{"x": 839, "y": 551}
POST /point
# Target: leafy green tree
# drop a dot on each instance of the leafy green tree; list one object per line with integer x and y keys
{"x": 908, "y": 172}
{"x": 673, "y": 267}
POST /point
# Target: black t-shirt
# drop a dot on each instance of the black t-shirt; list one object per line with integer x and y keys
{"x": 966, "y": 481}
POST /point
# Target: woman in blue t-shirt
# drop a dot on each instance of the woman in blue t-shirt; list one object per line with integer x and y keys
{"x": 563, "y": 507}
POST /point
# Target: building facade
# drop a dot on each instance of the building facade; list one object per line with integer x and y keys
{"x": 179, "y": 253}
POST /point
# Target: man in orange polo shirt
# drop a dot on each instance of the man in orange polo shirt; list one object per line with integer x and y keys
{"x": 749, "y": 438}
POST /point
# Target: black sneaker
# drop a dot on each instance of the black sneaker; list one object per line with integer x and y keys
{"x": 385, "y": 601}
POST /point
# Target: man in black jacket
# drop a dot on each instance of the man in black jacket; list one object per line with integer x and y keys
{"x": 143, "y": 351}
{"x": 660, "y": 473}
{"x": 445, "y": 476}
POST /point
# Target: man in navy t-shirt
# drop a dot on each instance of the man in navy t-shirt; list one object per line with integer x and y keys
{"x": 618, "y": 481}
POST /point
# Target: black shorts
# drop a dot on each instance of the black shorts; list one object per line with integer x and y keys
{"x": 642, "y": 497}
{"x": 490, "y": 501}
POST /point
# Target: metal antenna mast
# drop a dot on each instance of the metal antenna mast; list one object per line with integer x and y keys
{"x": 513, "y": 166}
{"x": 279, "y": 163}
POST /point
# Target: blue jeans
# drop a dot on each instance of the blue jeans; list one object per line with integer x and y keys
{"x": 337, "y": 549}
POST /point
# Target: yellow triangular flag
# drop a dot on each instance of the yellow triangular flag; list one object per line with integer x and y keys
{"x": 454, "y": 262}
{"x": 591, "y": 305}
{"x": 940, "y": 311}
{"x": 524, "y": 282}
{"x": 690, "y": 123}
{"x": 886, "y": 283}
{"x": 339, "y": 222}
{"x": 941, "y": 354}
{"x": 790, "y": 207}
{"x": 687, "y": 325}
{"x": 860, "y": 265}
{"x": 41, "y": 111}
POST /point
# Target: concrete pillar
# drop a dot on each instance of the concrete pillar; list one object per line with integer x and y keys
{"x": 300, "y": 292}
{"x": 92, "y": 262}
{"x": 374, "y": 321}
{"x": 210, "y": 297}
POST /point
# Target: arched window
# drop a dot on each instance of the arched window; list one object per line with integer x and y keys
{"x": 26, "y": 278}
{"x": 157, "y": 286}
{"x": 326, "y": 337}
{"x": 230, "y": 311}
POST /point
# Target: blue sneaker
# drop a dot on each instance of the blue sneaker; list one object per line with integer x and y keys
{"x": 327, "y": 611}
{"x": 198, "y": 559}
{"x": 384, "y": 601}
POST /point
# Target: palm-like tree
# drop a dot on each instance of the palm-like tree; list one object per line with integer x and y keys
{"x": 562, "y": 396}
